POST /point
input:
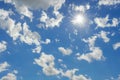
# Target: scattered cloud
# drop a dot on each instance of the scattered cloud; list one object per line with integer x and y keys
{"x": 25, "y": 8}
{"x": 103, "y": 35}
{"x": 105, "y": 22}
{"x": 47, "y": 41}
{"x": 9, "y": 76}
{"x": 116, "y": 45}
{"x": 95, "y": 54}
{"x": 113, "y": 78}
{"x": 50, "y": 17}
{"x": 21, "y": 7}
{"x": 64, "y": 51}
{"x": 30, "y": 38}
{"x": 38, "y": 4}
{"x": 19, "y": 31}
{"x": 108, "y": 2}
{"x": 91, "y": 41}
{"x": 51, "y": 22}
{"x": 47, "y": 63}
{"x": 80, "y": 8}
{"x": 55, "y": 21}
{"x": 3, "y": 46}
{"x": 8, "y": 24}
{"x": 72, "y": 76}
{"x": 4, "y": 66}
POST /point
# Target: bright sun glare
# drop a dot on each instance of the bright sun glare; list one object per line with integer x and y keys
{"x": 78, "y": 19}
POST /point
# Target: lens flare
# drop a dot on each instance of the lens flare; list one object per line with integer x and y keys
{"x": 78, "y": 19}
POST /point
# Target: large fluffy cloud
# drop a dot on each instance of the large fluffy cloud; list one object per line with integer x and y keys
{"x": 25, "y": 6}
{"x": 38, "y": 4}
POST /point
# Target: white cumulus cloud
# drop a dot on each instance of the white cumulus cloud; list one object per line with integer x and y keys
{"x": 3, "y": 46}
{"x": 4, "y": 66}
{"x": 104, "y": 36}
{"x": 95, "y": 54}
{"x": 46, "y": 61}
{"x": 9, "y": 76}
{"x": 51, "y": 22}
{"x": 72, "y": 76}
{"x": 19, "y": 31}
{"x": 64, "y": 51}
{"x": 105, "y": 22}
{"x": 116, "y": 45}
{"x": 91, "y": 41}
{"x": 24, "y": 7}
{"x": 47, "y": 41}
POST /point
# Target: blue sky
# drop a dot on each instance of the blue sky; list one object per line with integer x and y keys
{"x": 59, "y": 40}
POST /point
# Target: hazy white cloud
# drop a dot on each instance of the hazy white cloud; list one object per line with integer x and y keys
{"x": 7, "y": 1}
{"x": 3, "y": 46}
{"x": 72, "y": 76}
{"x": 103, "y": 35}
{"x": 80, "y": 8}
{"x": 95, "y": 54}
{"x": 108, "y": 2}
{"x": 9, "y": 76}
{"x": 116, "y": 45}
{"x": 64, "y": 51}
{"x": 105, "y": 22}
{"x": 46, "y": 61}
{"x": 4, "y": 66}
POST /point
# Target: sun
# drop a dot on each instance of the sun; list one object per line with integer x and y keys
{"x": 78, "y": 19}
